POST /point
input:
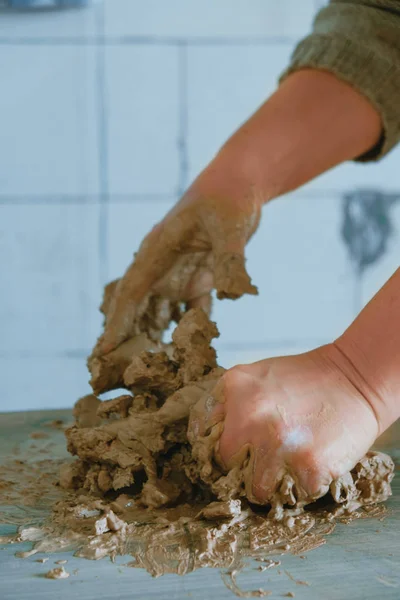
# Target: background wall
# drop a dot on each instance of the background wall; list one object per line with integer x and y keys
{"x": 106, "y": 114}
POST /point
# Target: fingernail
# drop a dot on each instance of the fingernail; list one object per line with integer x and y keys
{"x": 106, "y": 348}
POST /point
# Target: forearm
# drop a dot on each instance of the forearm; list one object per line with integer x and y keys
{"x": 371, "y": 346}
{"x": 315, "y": 120}
{"x": 310, "y": 124}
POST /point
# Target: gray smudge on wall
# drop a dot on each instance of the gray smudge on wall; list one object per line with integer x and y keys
{"x": 366, "y": 226}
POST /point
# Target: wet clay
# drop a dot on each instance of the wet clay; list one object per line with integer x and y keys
{"x": 145, "y": 484}
{"x": 57, "y": 573}
{"x": 141, "y": 442}
{"x": 140, "y": 450}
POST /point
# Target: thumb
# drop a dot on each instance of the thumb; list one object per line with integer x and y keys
{"x": 230, "y": 276}
{"x": 228, "y": 239}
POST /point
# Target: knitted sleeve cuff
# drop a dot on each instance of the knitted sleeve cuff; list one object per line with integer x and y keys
{"x": 360, "y": 64}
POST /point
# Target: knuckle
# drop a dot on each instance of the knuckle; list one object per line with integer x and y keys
{"x": 233, "y": 377}
{"x": 308, "y": 460}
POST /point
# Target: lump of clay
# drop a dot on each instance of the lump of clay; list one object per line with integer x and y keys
{"x": 140, "y": 443}
{"x": 57, "y": 573}
{"x": 368, "y": 483}
{"x": 142, "y": 438}
{"x": 85, "y": 411}
{"x": 157, "y": 313}
{"x": 221, "y": 510}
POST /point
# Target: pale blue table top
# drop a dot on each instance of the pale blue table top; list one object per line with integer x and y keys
{"x": 360, "y": 561}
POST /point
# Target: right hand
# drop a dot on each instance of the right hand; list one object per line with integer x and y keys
{"x": 198, "y": 246}
{"x": 308, "y": 418}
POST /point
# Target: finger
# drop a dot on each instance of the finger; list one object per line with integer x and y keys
{"x": 231, "y": 277}
{"x": 228, "y": 238}
{"x": 155, "y": 256}
{"x": 267, "y": 474}
{"x": 108, "y": 294}
{"x": 313, "y": 478}
{"x": 208, "y": 411}
{"x": 188, "y": 278}
{"x": 201, "y": 282}
{"x": 204, "y": 302}
{"x": 198, "y": 291}
{"x": 239, "y": 390}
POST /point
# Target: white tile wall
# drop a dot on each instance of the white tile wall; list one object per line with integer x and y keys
{"x": 39, "y": 383}
{"x": 49, "y": 279}
{"x": 52, "y": 23}
{"x": 48, "y": 141}
{"x": 128, "y": 223}
{"x": 379, "y": 273}
{"x": 301, "y": 268}
{"x": 361, "y": 175}
{"x": 208, "y": 18}
{"x": 226, "y": 84}
{"x": 143, "y": 112}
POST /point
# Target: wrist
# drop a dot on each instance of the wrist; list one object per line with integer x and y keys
{"x": 311, "y": 123}
{"x": 352, "y": 362}
{"x": 372, "y": 345}
{"x": 227, "y": 178}
{"x": 253, "y": 166}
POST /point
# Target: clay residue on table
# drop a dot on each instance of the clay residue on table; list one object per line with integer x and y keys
{"x": 144, "y": 485}
{"x": 57, "y": 573}
{"x": 160, "y": 540}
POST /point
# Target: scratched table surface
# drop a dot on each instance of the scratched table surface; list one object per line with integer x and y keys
{"x": 360, "y": 561}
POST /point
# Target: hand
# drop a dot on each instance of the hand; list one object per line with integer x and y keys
{"x": 311, "y": 123}
{"x": 198, "y": 246}
{"x": 303, "y": 416}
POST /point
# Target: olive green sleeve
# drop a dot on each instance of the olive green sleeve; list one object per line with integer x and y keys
{"x": 359, "y": 42}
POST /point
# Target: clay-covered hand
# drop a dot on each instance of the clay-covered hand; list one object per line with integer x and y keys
{"x": 306, "y": 416}
{"x": 198, "y": 246}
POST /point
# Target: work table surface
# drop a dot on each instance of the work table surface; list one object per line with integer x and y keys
{"x": 359, "y": 561}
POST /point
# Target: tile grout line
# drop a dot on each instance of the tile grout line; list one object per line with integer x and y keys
{"x": 7, "y": 199}
{"x": 102, "y": 130}
{"x": 79, "y": 353}
{"x": 357, "y": 297}
{"x": 182, "y": 118}
{"x": 90, "y": 199}
{"x": 102, "y": 40}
